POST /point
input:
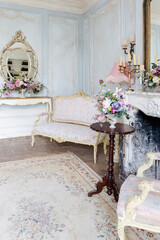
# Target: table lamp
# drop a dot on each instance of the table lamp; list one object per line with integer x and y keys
{"x": 116, "y": 76}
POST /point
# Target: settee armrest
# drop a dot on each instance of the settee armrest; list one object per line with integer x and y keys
{"x": 152, "y": 157}
{"x": 145, "y": 186}
{"x": 49, "y": 114}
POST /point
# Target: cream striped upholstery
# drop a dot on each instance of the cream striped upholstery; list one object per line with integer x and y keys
{"x": 75, "y": 109}
{"x": 70, "y": 132}
{"x": 146, "y": 213}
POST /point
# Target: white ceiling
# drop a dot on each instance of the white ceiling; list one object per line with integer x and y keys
{"x": 71, "y": 6}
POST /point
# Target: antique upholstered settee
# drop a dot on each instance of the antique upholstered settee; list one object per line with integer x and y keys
{"x": 70, "y": 121}
{"x": 139, "y": 201}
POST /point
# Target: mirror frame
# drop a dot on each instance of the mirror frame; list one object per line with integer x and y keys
{"x": 20, "y": 38}
{"x": 146, "y": 34}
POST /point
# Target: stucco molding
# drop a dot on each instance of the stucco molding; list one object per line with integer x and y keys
{"x": 54, "y": 20}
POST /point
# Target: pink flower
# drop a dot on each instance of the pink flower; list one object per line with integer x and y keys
{"x": 17, "y": 83}
{"x": 6, "y": 94}
{"x": 112, "y": 111}
{"x": 10, "y": 85}
{"x": 38, "y": 88}
{"x": 101, "y": 81}
{"x": 121, "y": 102}
{"x": 101, "y": 97}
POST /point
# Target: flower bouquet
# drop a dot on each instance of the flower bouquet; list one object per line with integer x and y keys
{"x": 151, "y": 79}
{"x": 112, "y": 105}
{"x": 22, "y": 84}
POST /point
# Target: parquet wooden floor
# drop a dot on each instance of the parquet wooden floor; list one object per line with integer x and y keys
{"x": 20, "y": 148}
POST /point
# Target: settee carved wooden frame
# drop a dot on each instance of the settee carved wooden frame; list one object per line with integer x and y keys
{"x": 59, "y": 139}
{"x": 145, "y": 186}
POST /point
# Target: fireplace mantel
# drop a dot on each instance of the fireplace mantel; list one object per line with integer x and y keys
{"x": 147, "y": 102}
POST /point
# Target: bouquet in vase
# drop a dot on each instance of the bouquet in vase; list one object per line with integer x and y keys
{"x": 21, "y": 85}
{"x": 112, "y": 104}
{"x": 151, "y": 79}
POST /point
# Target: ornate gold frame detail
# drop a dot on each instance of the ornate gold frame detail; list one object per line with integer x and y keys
{"x": 20, "y": 38}
{"x": 146, "y": 33}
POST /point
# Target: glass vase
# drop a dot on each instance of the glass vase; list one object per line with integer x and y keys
{"x": 112, "y": 121}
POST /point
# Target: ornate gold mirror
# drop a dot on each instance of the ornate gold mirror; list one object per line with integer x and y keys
{"x": 18, "y": 58}
{"x": 151, "y": 17}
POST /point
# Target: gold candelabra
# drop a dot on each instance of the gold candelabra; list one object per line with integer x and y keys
{"x": 129, "y": 70}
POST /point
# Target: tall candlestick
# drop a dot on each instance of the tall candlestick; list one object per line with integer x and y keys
{"x": 138, "y": 60}
{"x": 120, "y": 61}
{"x": 156, "y": 60}
{"x": 132, "y": 38}
{"x": 134, "y": 59}
{"x": 142, "y": 67}
{"x": 124, "y": 42}
{"x": 129, "y": 56}
{"x": 124, "y": 64}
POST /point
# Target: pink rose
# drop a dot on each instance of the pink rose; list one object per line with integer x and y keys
{"x": 6, "y": 94}
{"x": 112, "y": 111}
{"x": 17, "y": 83}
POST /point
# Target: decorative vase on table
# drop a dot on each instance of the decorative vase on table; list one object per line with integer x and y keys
{"x": 112, "y": 121}
{"x": 112, "y": 105}
{"x": 22, "y": 93}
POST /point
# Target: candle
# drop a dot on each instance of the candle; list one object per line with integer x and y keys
{"x": 132, "y": 38}
{"x": 129, "y": 57}
{"x": 124, "y": 64}
{"x": 120, "y": 61}
{"x": 124, "y": 42}
{"x": 134, "y": 59}
{"x": 142, "y": 67}
{"x": 156, "y": 60}
{"x": 138, "y": 60}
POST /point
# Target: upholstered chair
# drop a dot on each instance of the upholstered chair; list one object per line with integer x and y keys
{"x": 139, "y": 201}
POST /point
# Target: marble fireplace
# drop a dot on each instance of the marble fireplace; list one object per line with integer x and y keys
{"x": 146, "y": 120}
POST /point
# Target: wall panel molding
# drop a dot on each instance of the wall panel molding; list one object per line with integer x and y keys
{"x": 74, "y": 25}
{"x": 111, "y": 7}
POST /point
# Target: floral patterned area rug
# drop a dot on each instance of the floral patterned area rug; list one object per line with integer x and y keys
{"x": 45, "y": 198}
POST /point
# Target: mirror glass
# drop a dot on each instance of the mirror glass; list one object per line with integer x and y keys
{"x": 155, "y": 30}
{"x": 18, "y": 59}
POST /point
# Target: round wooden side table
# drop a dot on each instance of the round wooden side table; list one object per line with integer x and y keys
{"x": 109, "y": 180}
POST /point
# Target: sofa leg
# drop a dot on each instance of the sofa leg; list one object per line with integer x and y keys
{"x": 105, "y": 145}
{"x": 32, "y": 143}
{"x": 95, "y": 154}
{"x": 121, "y": 232}
{"x": 50, "y": 139}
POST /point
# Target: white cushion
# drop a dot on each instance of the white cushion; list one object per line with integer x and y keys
{"x": 70, "y": 132}
{"x": 79, "y": 109}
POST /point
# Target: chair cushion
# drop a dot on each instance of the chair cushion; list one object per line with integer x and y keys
{"x": 146, "y": 213}
{"x": 69, "y": 132}
{"x": 78, "y": 109}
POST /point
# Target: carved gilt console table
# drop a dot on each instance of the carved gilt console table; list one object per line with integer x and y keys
{"x": 28, "y": 101}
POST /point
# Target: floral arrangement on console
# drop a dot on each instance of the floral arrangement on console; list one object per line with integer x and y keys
{"x": 112, "y": 105}
{"x": 151, "y": 79}
{"x": 21, "y": 84}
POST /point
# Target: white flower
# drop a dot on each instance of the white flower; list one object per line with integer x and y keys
{"x": 106, "y": 103}
{"x": 20, "y": 83}
{"x": 156, "y": 79}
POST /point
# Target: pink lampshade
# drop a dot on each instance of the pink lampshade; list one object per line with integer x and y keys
{"x": 116, "y": 76}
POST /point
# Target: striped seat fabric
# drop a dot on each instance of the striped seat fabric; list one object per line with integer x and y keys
{"x": 69, "y": 132}
{"x": 148, "y": 211}
{"x": 76, "y": 109}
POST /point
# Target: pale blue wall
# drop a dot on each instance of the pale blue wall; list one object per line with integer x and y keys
{"x": 74, "y": 51}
